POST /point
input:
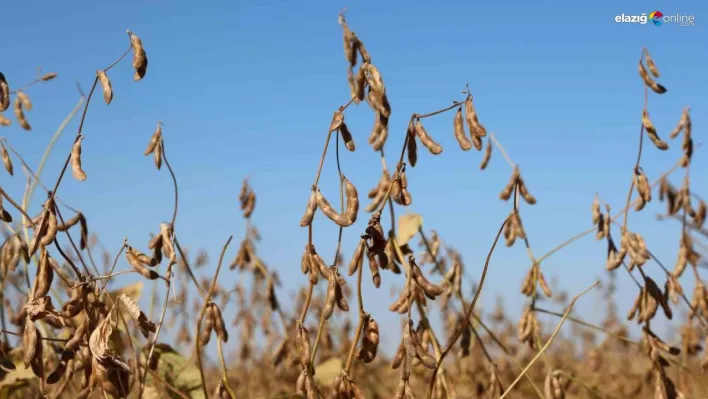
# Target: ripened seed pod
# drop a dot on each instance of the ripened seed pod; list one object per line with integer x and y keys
{"x": 409, "y": 344}
{"x": 329, "y": 211}
{"x": 477, "y": 142}
{"x": 422, "y": 355}
{"x": 83, "y": 242}
{"x": 374, "y": 268}
{"x": 337, "y": 120}
{"x": 69, "y": 223}
{"x": 40, "y": 230}
{"x": 687, "y": 147}
{"x": 305, "y": 261}
{"x": 20, "y": 115}
{"x": 430, "y": 289}
{"x": 318, "y": 263}
{"x": 142, "y": 258}
{"x": 4, "y": 121}
{"x": 524, "y": 191}
{"x": 349, "y": 47}
{"x": 4, "y": 214}
{"x": 30, "y": 342}
{"x": 76, "y": 169}
{"x": 380, "y": 131}
{"x": 459, "y": 127}
{"x": 329, "y": 301}
{"x": 352, "y": 85}
{"x": 303, "y": 344}
{"x": 411, "y": 145}
{"x": 476, "y": 128}
{"x": 156, "y": 136}
{"x": 487, "y": 155}
{"x": 140, "y": 61}
{"x": 358, "y": 258}
{"x": 44, "y": 277}
{"x": 643, "y": 188}
{"x": 544, "y": 285}
{"x": 205, "y": 334}
{"x": 374, "y": 78}
{"x": 505, "y": 194}
{"x": 221, "y": 392}
{"x": 48, "y": 76}
{"x": 684, "y": 124}
{"x": 369, "y": 342}
{"x": 361, "y": 84}
{"x": 158, "y": 154}
{"x": 347, "y": 137}
{"x": 6, "y": 160}
{"x": 650, "y": 63}
{"x": 426, "y": 140}
{"x": 352, "y": 209}
{"x": 651, "y": 132}
{"x": 700, "y": 216}
{"x": 52, "y": 226}
{"x": 300, "y": 388}
{"x": 379, "y": 103}
{"x": 139, "y": 267}
{"x": 398, "y": 357}
{"x": 310, "y": 209}
{"x": 219, "y": 325}
{"x": 339, "y": 297}
{"x": 657, "y": 88}
{"x": 76, "y": 338}
{"x": 105, "y": 85}
{"x": 4, "y": 94}
{"x": 24, "y": 99}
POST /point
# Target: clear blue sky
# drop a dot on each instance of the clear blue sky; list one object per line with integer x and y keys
{"x": 248, "y": 88}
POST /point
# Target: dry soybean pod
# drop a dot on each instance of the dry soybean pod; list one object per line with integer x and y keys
{"x": 487, "y": 155}
{"x": 329, "y": 211}
{"x": 426, "y": 140}
{"x": 105, "y": 85}
{"x": 76, "y": 169}
{"x": 459, "y": 128}
{"x": 6, "y": 160}
{"x": 310, "y": 209}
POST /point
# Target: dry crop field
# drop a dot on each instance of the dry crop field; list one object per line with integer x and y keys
{"x": 64, "y": 334}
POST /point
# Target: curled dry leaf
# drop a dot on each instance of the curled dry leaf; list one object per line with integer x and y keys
{"x": 408, "y": 226}
{"x": 145, "y": 325}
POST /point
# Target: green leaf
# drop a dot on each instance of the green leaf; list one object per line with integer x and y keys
{"x": 327, "y": 370}
{"x": 174, "y": 369}
{"x": 19, "y": 378}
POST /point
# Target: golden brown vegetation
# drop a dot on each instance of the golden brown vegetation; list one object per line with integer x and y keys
{"x": 65, "y": 335}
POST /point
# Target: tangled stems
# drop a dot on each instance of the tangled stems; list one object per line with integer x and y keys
{"x": 470, "y": 309}
{"x": 207, "y": 301}
{"x": 550, "y": 340}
